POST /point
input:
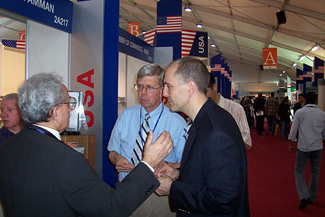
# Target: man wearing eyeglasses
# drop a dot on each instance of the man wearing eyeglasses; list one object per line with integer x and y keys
{"x": 128, "y": 133}
{"x": 42, "y": 176}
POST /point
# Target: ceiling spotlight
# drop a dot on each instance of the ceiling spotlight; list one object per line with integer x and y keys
{"x": 281, "y": 74}
{"x": 284, "y": 71}
{"x": 294, "y": 64}
{"x": 209, "y": 37}
{"x": 302, "y": 57}
{"x": 315, "y": 48}
{"x": 213, "y": 45}
{"x": 187, "y": 9}
{"x": 199, "y": 25}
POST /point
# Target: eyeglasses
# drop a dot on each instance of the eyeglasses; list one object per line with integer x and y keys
{"x": 140, "y": 87}
{"x": 72, "y": 103}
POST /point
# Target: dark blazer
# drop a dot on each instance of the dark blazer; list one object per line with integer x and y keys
{"x": 42, "y": 176}
{"x": 213, "y": 175}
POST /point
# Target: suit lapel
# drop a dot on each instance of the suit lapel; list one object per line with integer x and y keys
{"x": 188, "y": 144}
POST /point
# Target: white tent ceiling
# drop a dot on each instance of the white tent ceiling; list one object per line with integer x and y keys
{"x": 242, "y": 28}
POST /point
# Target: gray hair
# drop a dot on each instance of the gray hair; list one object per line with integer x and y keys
{"x": 192, "y": 69}
{"x": 151, "y": 70}
{"x": 10, "y": 96}
{"x": 38, "y": 95}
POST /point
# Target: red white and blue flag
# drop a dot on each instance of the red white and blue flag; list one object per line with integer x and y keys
{"x": 169, "y": 24}
{"x": 188, "y": 37}
{"x": 149, "y": 36}
{"x": 18, "y": 44}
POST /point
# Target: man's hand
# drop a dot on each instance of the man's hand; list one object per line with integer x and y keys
{"x": 120, "y": 162}
{"x": 165, "y": 184}
{"x": 123, "y": 165}
{"x": 165, "y": 169}
{"x": 155, "y": 153}
{"x": 291, "y": 147}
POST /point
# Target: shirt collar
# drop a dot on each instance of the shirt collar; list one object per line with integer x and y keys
{"x": 222, "y": 101}
{"x": 154, "y": 113}
{"x": 54, "y": 132}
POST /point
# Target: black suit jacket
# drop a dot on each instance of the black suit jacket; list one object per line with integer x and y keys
{"x": 42, "y": 176}
{"x": 213, "y": 177}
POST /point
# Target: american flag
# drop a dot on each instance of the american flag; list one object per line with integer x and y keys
{"x": 169, "y": 24}
{"x": 188, "y": 37}
{"x": 149, "y": 36}
{"x": 19, "y": 44}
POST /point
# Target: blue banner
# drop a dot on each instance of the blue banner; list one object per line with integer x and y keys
{"x": 308, "y": 75}
{"x": 54, "y": 13}
{"x": 200, "y": 45}
{"x": 133, "y": 46}
{"x": 318, "y": 71}
{"x": 170, "y": 37}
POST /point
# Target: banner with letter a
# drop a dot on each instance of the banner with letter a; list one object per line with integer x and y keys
{"x": 270, "y": 58}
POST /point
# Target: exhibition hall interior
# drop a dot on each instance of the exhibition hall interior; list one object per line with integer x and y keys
{"x": 250, "y": 47}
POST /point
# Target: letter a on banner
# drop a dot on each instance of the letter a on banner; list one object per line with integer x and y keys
{"x": 270, "y": 59}
{"x": 134, "y": 28}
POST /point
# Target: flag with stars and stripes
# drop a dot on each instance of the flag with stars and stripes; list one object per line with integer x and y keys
{"x": 18, "y": 44}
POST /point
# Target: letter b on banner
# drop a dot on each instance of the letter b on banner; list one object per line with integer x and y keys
{"x": 134, "y": 28}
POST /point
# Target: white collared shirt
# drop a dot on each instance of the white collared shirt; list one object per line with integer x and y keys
{"x": 54, "y": 132}
{"x": 310, "y": 122}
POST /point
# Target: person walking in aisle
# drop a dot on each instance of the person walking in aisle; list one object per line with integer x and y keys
{"x": 284, "y": 114}
{"x": 259, "y": 106}
{"x": 310, "y": 122}
{"x": 271, "y": 107}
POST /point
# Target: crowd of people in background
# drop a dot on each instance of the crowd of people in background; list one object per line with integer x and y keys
{"x": 277, "y": 112}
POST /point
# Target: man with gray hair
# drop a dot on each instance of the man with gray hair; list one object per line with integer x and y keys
{"x": 129, "y": 132}
{"x": 42, "y": 176}
{"x": 10, "y": 116}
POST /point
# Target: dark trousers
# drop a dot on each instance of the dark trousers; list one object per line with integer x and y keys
{"x": 259, "y": 124}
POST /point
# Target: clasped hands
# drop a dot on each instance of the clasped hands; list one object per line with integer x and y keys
{"x": 164, "y": 172}
{"x": 154, "y": 154}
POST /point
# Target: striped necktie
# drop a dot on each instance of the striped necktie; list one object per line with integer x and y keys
{"x": 141, "y": 139}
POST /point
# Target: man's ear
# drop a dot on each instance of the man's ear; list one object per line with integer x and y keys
{"x": 53, "y": 113}
{"x": 192, "y": 87}
{"x": 215, "y": 87}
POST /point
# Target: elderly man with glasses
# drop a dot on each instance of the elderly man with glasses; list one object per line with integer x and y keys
{"x": 42, "y": 176}
{"x": 131, "y": 127}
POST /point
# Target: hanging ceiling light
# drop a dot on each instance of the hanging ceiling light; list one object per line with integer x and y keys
{"x": 301, "y": 57}
{"x": 199, "y": 25}
{"x": 187, "y": 9}
{"x": 315, "y": 48}
{"x": 294, "y": 64}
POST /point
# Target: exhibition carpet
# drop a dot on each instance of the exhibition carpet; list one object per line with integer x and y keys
{"x": 271, "y": 180}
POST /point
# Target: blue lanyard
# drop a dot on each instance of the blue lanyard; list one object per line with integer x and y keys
{"x": 162, "y": 109}
{"x": 38, "y": 129}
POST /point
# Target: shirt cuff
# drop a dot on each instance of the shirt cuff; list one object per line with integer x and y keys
{"x": 150, "y": 167}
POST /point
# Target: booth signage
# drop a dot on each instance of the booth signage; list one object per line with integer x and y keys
{"x": 54, "y": 13}
{"x": 270, "y": 58}
{"x": 133, "y": 46}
